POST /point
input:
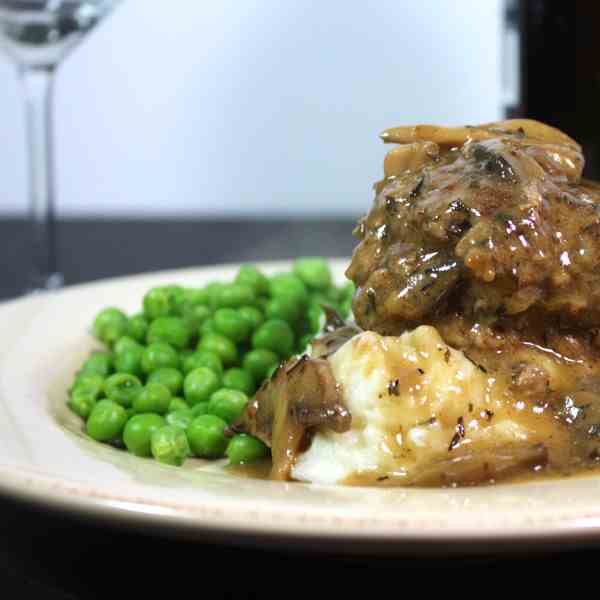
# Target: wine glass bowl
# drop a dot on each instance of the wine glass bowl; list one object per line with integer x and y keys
{"x": 37, "y": 34}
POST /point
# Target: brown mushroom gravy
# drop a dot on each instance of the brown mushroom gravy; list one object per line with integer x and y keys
{"x": 490, "y": 235}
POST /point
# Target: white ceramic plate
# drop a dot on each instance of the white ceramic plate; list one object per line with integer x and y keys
{"x": 45, "y": 458}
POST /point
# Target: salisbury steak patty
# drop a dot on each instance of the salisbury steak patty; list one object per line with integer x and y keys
{"x": 491, "y": 222}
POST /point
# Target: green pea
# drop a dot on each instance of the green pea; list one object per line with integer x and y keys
{"x": 130, "y": 360}
{"x": 212, "y": 290}
{"x": 123, "y": 344}
{"x": 223, "y": 347}
{"x": 158, "y": 355}
{"x": 122, "y": 388}
{"x": 110, "y": 325}
{"x": 177, "y": 298}
{"x": 195, "y": 316}
{"x": 178, "y": 403}
{"x": 199, "y": 384}
{"x": 227, "y": 404}
{"x": 238, "y": 379}
{"x": 153, "y": 398}
{"x": 207, "y": 326}
{"x": 169, "y": 445}
{"x": 106, "y": 421}
{"x": 235, "y": 295}
{"x": 206, "y": 436}
{"x": 89, "y": 380}
{"x": 169, "y": 377}
{"x": 252, "y": 315}
{"x": 99, "y": 363}
{"x": 83, "y": 399}
{"x": 274, "y": 335}
{"x": 314, "y": 314}
{"x": 314, "y": 272}
{"x": 244, "y": 448}
{"x": 138, "y": 432}
{"x": 285, "y": 308}
{"x": 163, "y": 301}
{"x": 203, "y": 358}
{"x": 199, "y": 409}
{"x": 156, "y": 303}
{"x": 172, "y": 330}
{"x": 249, "y": 275}
{"x": 288, "y": 285}
{"x": 138, "y": 326}
{"x": 196, "y": 296}
{"x": 231, "y": 324}
{"x": 180, "y": 418}
{"x": 258, "y": 362}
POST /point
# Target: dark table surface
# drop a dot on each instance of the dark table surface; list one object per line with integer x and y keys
{"x": 56, "y": 556}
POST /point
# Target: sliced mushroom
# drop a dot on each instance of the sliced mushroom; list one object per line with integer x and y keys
{"x": 556, "y": 158}
{"x": 302, "y": 395}
{"x": 530, "y": 128}
{"x": 444, "y": 136}
{"x": 471, "y": 468}
{"x": 456, "y": 136}
{"x": 409, "y": 158}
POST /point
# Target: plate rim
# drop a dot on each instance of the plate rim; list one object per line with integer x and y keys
{"x": 32, "y": 487}
{"x": 40, "y": 489}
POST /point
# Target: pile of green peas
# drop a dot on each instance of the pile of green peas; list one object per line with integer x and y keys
{"x": 175, "y": 375}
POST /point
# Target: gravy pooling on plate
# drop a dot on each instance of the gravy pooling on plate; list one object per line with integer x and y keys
{"x": 483, "y": 242}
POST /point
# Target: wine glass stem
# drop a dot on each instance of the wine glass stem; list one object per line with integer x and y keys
{"x": 37, "y": 86}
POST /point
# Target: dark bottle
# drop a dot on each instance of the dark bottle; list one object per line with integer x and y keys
{"x": 559, "y": 82}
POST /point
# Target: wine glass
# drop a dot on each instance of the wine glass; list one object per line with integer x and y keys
{"x": 37, "y": 34}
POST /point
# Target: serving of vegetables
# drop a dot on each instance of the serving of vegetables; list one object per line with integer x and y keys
{"x": 173, "y": 377}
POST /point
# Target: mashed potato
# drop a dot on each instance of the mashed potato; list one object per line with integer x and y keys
{"x": 423, "y": 413}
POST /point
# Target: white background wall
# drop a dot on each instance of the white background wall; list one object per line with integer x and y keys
{"x": 252, "y": 107}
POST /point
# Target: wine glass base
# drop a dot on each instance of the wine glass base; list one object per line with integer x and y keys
{"x": 46, "y": 283}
